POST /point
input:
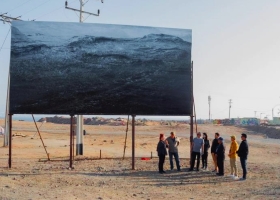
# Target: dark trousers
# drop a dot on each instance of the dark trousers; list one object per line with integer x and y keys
{"x": 243, "y": 162}
{"x": 195, "y": 155}
{"x": 176, "y": 156}
{"x": 220, "y": 163}
{"x": 161, "y": 162}
{"x": 204, "y": 159}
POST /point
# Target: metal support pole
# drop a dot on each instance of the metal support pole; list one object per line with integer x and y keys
{"x": 71, "y": 142}
{"x": 133, "y": 142}
{"x": 10, "y": 140}
{"x": 191, "y": 136}
{"x": 6, "y": 132}
{"x": 191, "y": 115}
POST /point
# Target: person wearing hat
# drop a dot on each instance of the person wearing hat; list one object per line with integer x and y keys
{"x": 243, "y": 152}
{"x": 220, "y": 154}
{"x": 232, "y": 157}
{"x": 162, "y": 152}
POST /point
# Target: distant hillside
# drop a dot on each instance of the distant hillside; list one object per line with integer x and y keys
{"x": 112, "y": 121}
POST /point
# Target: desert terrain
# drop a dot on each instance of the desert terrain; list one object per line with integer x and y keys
{"x": 32, "y": 176}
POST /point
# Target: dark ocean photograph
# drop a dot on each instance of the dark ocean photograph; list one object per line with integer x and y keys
{"x": 80, "y": 68}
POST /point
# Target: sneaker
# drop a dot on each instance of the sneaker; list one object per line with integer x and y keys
{"x": 231, "y": 175}
{"x": 164, "y": 172}
{"x": 219, "y": 174}
{"x": 242, "y": 179}
{"x": 235, "y": 177}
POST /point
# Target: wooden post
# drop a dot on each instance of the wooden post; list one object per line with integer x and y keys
{"x": 10, "y": 140}
{"x": 191, "y": 136}
{"x": 71, "y": 143}
{"x": 133, "y": 142}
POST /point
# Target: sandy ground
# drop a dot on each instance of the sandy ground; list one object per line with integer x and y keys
{"x": 32, "y": 177}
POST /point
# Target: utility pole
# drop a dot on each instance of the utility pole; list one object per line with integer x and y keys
{"x": 230, "y": 101}
{"x": 255, "y": 113}
{"x": 6, "y": 19}
{"x": 80, "y": 119}
{"x": 81, "y": 11}
{"x": 209, "y": 103}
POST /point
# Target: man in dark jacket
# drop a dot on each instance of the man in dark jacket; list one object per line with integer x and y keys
{"x": 243, "y": 152}
{"x": 213, "y": 151}
{"x": 162, "y": 152}
{"x": 220, "y": 154}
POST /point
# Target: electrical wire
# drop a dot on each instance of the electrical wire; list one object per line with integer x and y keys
{"x": 19, "y": 5}
{"x": 52, "y": 11}
{"x": 36, "y": 7}
{"x": 5, "y": 39}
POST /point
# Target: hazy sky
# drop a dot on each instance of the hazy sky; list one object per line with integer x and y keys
{"x": 235, "y": 45}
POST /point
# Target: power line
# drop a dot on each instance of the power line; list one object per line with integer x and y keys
{"x": 52, "y": 11}
{"x": 36, "y": 7}
{"x": 19, "y": 5}
{"x": 5, "y": 39}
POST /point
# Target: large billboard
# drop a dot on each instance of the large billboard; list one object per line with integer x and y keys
{"x": 79, "y": 68}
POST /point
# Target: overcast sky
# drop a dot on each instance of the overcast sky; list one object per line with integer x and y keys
{"x": 235, "y": 45}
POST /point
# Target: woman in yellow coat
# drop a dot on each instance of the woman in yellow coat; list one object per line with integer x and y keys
{"x": 233, "y": 155}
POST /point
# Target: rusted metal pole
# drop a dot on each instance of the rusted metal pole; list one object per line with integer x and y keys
{"x": 10, "y": 140}
{"x": 191, "y": 136}
{"x": 71, "y": 142}
{"x": 191, "y": 116}
{"x": 133, "y": 142}
{"x": 194, "y": 116}
{"x": 41, "y": 137}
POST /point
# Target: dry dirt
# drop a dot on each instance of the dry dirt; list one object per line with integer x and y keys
{"x": 33, "y": 177}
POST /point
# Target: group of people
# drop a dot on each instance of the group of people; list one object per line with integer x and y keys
{"x": 199, "y": 149}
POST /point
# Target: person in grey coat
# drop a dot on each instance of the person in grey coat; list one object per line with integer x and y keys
{"x": 173, "y": 143}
